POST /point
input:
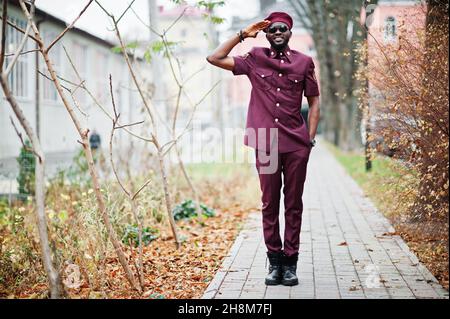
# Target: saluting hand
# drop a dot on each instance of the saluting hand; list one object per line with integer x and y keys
{"x": 252, "y": 30}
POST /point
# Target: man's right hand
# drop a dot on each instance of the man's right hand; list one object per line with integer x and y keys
{"x": 220, "y": 56}
{"x": 252, "y": 30}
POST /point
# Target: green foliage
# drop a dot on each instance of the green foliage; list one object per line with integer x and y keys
{"x": 214, "y": 19}
{"x": 210, "y": 5}
{"x": 157, "y": 46}
{"x": 131, "y": 235}
{"x": 11, "y": 219}
{"x": 157, "y": 215}
{"x": 132, "y": 45}
{"x": 160, "y": 47}
{"x": 148, "y": 56}
{"x": 3, "y": 206}
{"x": 5, "y": 212}
{"x": 78, "y": 172}
{"x": 217, "y": 20}
{"x": 27, "y": 165}
{"x": 187, "y": 209}
{"x": 178, "y": 1}
{"x": 17, "y": 252}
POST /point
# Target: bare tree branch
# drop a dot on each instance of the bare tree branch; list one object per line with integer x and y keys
{"x": 83, "y": 132}
{"x": 175, "y": 21}
{"x": 29, "y": 149}
{"x": 21, "y": 45}
{"x": 22, "y": 53}
{"x": 125, "y": 11}
{"x": 14, "y": 26}
{"x": 140, "y": 189}
{"x": 154, "y": 133}
{"x": 3, "y": 42}
{"x": 68, "y": 28}
{"x": 186, "y": 129}
{"x": 53, "y": 276}
{"x": 131, "y": 197}
{"x": 50, "y": 79}
{"x": 96, "y": 102}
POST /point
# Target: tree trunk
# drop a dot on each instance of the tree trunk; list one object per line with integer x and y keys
{"x": 191, "y": 185}
{"x": 53, "y": 276}
{"x": 168, "y": 198}
{"x": 92, "y": 171}
{"x": 333, "y": 28}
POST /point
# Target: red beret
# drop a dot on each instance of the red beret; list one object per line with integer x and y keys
{"x": 280, "y": 17}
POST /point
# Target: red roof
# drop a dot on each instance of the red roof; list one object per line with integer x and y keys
{"x": 178, "y": 10}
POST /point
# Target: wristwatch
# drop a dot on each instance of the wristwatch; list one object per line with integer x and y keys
{"x": 312, "y": 142}
{"x": 240, "y": 34}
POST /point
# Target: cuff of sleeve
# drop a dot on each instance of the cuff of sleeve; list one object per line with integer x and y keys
{"x": 314, "y": 91}
{"x": 239, "y": 66}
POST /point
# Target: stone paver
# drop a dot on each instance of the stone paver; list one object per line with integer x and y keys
{"x": 347, "y": 248}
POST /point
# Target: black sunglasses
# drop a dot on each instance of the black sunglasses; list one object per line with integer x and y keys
{"x": 274, "y": 29}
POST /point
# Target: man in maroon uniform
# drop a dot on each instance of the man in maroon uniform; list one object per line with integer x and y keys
{"x": 279, "y": 77}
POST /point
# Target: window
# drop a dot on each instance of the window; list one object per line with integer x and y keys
{"x": 49, "y": 90}
{"x": 390, "y": 29}
{"x": 79, "y": 57}
{"x": 102, "y": 77}
{"x": 18, "y": 78}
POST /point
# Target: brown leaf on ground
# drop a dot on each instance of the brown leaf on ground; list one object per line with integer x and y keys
{"x": 390, "y": 233}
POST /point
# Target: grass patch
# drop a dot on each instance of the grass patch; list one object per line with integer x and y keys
{"x": 387, "y": 184}
{"x": 393, "y": 189}
{"x": 354, "y": 163}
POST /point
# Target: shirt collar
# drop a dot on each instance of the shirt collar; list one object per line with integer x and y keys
{"x": 287, "y": 53}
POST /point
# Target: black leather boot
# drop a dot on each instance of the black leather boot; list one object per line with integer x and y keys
{"x": 289, "y": 269}
{"x": 274, "y": 276}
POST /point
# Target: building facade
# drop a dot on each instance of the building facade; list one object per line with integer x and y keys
{"x": 93, "y": 58}
{"x": 389, "y": 23}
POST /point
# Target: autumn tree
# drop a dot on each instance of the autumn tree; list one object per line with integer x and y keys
{"x": 334, "y": 27}
{"x": 34, "y": 146}
{"x": 409, "y": 99}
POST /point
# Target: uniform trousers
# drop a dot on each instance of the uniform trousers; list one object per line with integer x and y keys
{"x": 293, "y": 166}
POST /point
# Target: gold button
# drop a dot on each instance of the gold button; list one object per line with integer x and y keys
{"x": 276, "y": 120}
{"x": 282, "y": 61}
{"x": 262, "y": 75}
{"x": 296, "y": 81}
{"x": 280, "y": 74}
{"x": 278, "y": 104}
{"x": 281, "y": 53}
{"x": 278, "y": 89}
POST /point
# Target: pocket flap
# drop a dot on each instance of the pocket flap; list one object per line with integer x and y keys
{"x": 296, "y": 78}
{"x": 263, "y": 73}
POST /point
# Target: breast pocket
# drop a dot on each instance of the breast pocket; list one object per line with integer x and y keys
{"x": 296, "y": 83}
{"x": 262, "y": 79}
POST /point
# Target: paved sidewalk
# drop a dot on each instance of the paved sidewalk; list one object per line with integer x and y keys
{"x": 347, "y": 248}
